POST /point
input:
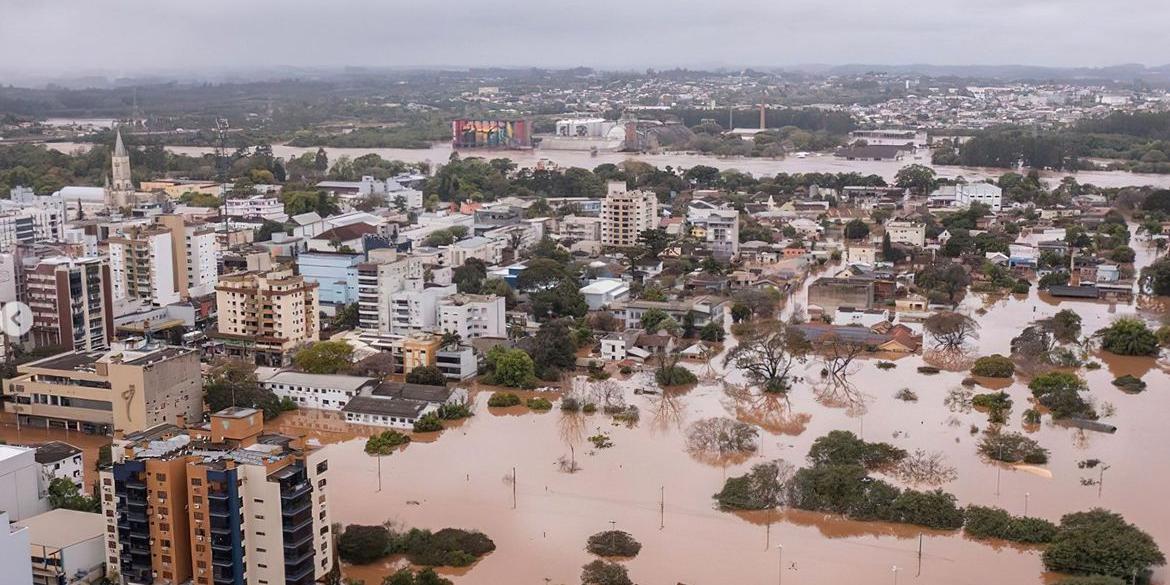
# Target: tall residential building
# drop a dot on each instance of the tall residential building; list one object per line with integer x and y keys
{"x": 220, "y": 503}
{"x": 625, "y": 214}
{"x": 193, "y": 256}
{"x": 129, "y": 388}
{"x": 120, "y": 192}
{"x": 473, "y": 316}
{"x": 49, "y": 223}
{"x": 142, "y": 264}
{"x": 71, "y": 301}
{"x": 415, "y": 311}
{"x": 378, "y": 280}
{"x": 265, "y": 315}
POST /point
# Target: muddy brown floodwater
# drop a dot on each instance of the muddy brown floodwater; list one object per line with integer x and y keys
{"x": 647, "y": 483}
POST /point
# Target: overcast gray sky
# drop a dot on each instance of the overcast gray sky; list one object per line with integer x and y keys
{"x": 121, "y": 37}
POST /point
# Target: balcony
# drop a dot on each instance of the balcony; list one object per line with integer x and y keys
{"x": 296, "y": 491}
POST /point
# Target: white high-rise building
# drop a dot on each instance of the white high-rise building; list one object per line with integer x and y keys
{"x": 142, "y": 264}
{"x": 625, "y": 214}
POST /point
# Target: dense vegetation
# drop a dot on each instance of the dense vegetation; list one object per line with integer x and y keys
{"x": 449, "y": 547}
{"x": 1140, "y": 139}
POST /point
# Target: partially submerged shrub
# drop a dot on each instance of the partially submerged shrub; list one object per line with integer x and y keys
{"x": 613, "y": 543}
{"x": 503, "y": 399}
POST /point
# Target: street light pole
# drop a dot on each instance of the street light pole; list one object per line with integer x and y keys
{"x": 780, "y": 565}
{"x": 1026, "y": 495}
{"x": 895, "y": 571}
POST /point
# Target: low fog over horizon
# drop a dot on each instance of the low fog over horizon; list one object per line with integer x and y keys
{"x": 136, "y": 37}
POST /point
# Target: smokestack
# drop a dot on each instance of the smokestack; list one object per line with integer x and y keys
{"x": 763, "y": 123}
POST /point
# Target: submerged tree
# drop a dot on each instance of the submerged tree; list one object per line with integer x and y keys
{"x": 721, "y": 435}
{"x": 951, "y": 330}
{"x": 768, "y": 353}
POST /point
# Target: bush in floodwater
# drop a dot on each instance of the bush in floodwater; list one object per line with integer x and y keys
{"x": 454, "y": 410}
{"x": 503, "y": 400}
{"x": 674, "y": 376}
{"x": 449, "y": 547}
{"x": 385, "y": 442}
{"x": 997, "y": 404}
{"x": 428, "y": 423}
{"x": 844, "y": 448}
{"x": 934, "y": 509}
{"x": 906, "y": 395}
{"x": 570, "y": 404}
{"x": 762, "y": 488}
{"x": 613, "y": 543}
{"x": 362, "y": 545}
{"x": 985, "y": 522}
{"x": 601, "y": 441}
{"x": 538, "y": 403}
{"x": 886, "y": 365}
{"x": 1101, "y": 542}
{"x": 626, "y": 370}
{"x": 1032, "y": 416}
{"x": 1059, "y": 392}
{"x": 1012, "y": 448}
{"x": 1093, "y": 580}
{"x": 994, "y": 366}
{"x": 1130, "y": 383}
{"x": 405, "y": 576}
{"x": 928, "y": 370}
{"x": 601, "y": 572}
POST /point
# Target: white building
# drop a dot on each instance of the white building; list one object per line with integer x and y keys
{"x": 907, "y": 232}
{"x": 319, "y": 391}
{"x": 50, "y": 224}
{"x": 20, "y": 483}
{"x": 142, "y": 265}
{"x": 605, "y": 291}
{"x": 67, "y": 547}
{"x": 625, "y": 214}
{"x": 257, "y": 206}
{"x": 964, "y": 194}
{"x": 473, "y": 316}
{"x": 413, "y": 311}
{"x": 14, "y": 552}
{"x": 719, "y": 228}
{"x": 488, "y": 250}
{"x": 384, "y": 275}
{"x": 59, "y": 460}
{"x": 581, "y": 228}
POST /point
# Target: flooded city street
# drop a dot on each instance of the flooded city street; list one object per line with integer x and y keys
{"x": 647, "y": 484}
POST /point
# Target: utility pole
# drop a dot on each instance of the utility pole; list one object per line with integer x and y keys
{"x": 513, "y": 488}
{"x": 1026, "y": 496}
{"x": 662, "y": 508}
{"x": 379, "y": 473}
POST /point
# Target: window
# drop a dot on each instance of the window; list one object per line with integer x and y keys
{"x": 322, "y": 467}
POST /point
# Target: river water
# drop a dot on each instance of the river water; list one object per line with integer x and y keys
{"x": 758, "y": 167}
{"x": 648, "y": 485}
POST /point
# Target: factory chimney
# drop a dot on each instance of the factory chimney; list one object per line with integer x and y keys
{"x": 763, "y": 123}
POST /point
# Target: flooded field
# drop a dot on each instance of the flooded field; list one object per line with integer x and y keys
{"x": 647, "y": 483}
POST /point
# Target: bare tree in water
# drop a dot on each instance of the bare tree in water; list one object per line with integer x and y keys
{"x": 838, "y": 354}
{"x": 951, "y": 330}
{"x": 767, "y": 354}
